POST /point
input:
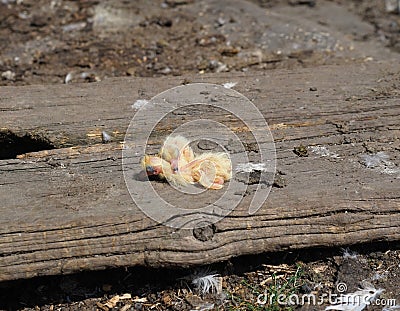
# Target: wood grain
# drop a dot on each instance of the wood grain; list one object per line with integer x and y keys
{"x": 68, "y": 209}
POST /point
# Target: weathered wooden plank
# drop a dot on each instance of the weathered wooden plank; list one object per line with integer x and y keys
{"x": 66, "y": 210}
{"x": 75, "y": 114}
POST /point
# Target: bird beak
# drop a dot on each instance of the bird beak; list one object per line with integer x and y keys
{"x": 149, "y": 170}
{"x": 153, "y": 170}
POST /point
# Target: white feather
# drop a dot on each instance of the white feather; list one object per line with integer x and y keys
{"x": 140, "y": 103}
{"x": 347, "y": 253}
{"x": 229, "y": 85}
{"x": 373, "y": 160}
{"x": 379, "y": 276}
{"x": 204, "y": 307}
{"x": 380, "y": 161}
{"x": 358, "y": 300}
{"x": 251, "y": 167}
{"x": 391, "y": 308}
{"x": 208, "y": 283}
{"x": 323, "y": 151}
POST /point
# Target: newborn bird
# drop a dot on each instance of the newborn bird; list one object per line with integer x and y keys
{"x": 176, "y": 151}
{"x": 177, "y": 163}
{"x": 156, "y": 166}
{"x": 210, "y": 170}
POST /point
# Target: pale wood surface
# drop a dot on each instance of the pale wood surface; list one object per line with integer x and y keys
{"x": 68, "y": 209}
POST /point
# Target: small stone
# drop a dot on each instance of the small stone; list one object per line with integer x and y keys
{"x": 392, "y": 6}
{"x": 68, "y": 77}
{"x": 131, "y": 71}
{"x": 166, "y": 70}
{"x": 105, "y": 137}
{"x": 229, "y": 51}
{"x": 313, "y": 89}
{"x": 39, "y": 21}
{"x": 90, "y": 77}
{"x": 8, "y": 75}
{"x": 220, "y": 21}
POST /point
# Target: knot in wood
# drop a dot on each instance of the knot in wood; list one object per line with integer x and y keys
{"x": 205, "y": 233}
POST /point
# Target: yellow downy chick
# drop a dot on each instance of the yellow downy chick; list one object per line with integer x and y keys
{"x": 177, "y": 163}
{"x": 176, "y": 151}
{"x": 155, "y": 166}
{"x": 211, "y": 170}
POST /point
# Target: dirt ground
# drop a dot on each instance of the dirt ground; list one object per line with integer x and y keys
{"x": 317, "y": 272}
{"x": 44, "y": 41}
{"x": 58, "y": 41}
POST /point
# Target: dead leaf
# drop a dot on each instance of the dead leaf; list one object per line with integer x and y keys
{"x": 270, "y": 279}
{"x": 126, "y": 307}
{"x": 167, "y": 300}
{"x": 279, "y": 269}
{"x": 320, "y": 269}
{"x": 125, "y": 296}
{"x": 142, "y": 300}
{"x": 101, "y": 306}
{"x": 111, "y": 303}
